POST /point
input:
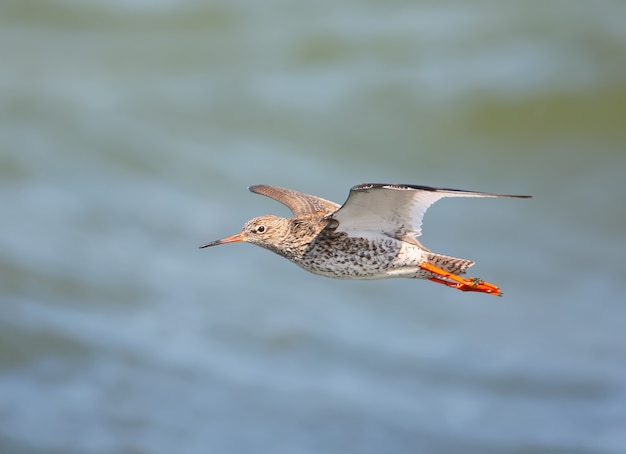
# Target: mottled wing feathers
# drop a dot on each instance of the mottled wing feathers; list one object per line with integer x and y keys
{"x": 394, "y": 209}
{"x": 299, "y": 203}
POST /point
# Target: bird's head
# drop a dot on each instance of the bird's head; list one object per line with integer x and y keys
{"x": 265, "y": 231}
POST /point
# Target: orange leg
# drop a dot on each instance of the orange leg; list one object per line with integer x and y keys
{"x": 471, "y": 284}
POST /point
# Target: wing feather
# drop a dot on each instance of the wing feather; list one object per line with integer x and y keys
{"x": 394, "y": 209}
{"x": 299, "y": 203}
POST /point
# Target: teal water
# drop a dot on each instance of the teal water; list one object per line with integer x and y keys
{"x": 128, "y": 134}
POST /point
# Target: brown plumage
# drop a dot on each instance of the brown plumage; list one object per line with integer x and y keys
{"x": 373, "y": 235}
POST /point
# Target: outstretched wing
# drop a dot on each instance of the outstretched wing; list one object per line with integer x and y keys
{"x": 299, "y": 203}
{"x": 394, "y": 209}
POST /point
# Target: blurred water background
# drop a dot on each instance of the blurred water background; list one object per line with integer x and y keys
{"x": 129, "y": 131}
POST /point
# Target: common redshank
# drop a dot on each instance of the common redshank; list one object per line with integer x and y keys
{"x": 373, "y": 235}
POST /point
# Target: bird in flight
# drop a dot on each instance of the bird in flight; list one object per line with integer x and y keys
{"x": 373, "y": 235}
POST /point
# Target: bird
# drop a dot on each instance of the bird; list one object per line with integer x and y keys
{"x": 373, "y": 235}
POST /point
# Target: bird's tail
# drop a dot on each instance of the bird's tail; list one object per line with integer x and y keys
{"x": 450, "y": 264}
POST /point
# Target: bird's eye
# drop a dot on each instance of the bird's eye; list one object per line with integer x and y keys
{"x": 260, "y": 229}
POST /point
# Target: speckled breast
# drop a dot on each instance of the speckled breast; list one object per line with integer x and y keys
{"x": 341, "y": 256}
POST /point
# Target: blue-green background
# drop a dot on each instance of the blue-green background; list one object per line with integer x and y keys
{"x": 129, "y": 131}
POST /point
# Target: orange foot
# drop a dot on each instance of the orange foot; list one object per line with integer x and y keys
{"x": 471, "y": 284}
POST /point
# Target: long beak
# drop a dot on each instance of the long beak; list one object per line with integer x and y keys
{"x": 236, "y": 238}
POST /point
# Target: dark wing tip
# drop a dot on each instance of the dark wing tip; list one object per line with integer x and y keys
{"x": 368, "y": 186}
{"x": 404, "y": 187}
{"x": 401, "y": 187}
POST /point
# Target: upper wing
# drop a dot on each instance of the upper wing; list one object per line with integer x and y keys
{"x": 394, "y": 209}
{"x": 299, "y": 203}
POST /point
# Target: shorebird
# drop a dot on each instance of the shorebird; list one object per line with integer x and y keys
{"x": 373, "y": 235}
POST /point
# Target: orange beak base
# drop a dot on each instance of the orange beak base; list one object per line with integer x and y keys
{"x": 236, "y": 238}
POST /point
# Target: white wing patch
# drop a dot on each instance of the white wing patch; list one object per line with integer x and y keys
{"x": 396, "y": 210}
